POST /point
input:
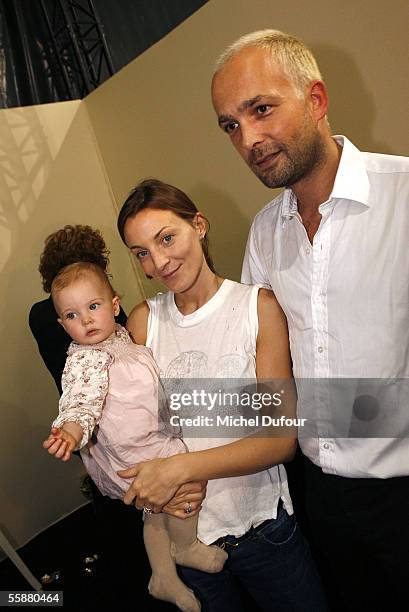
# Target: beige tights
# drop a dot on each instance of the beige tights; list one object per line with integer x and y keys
{"x": 169, "y": 540}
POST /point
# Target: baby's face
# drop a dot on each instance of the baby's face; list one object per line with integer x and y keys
{"x": 87, "y": 310}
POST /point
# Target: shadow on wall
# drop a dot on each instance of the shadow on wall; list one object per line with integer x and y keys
{"x": 352, "y": 108}
{"x": 26, "y": 162}
{"x": 25, "y": 165}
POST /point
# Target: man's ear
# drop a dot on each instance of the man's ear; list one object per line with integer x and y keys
{"x": 200, "y": 224}
{"x": 318, "y": 96}
{"x": 116, "y": 305}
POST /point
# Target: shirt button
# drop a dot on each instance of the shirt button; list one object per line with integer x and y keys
{"x": 320, "y": 349}
{"x": 308, "y": 251}
{"x": 326, "y": 446}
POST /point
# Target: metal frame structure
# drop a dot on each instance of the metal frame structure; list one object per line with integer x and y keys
{"x": 77, "y": 49}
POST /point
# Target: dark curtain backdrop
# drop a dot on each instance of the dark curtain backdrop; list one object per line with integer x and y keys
{"x": 30, "y": 70}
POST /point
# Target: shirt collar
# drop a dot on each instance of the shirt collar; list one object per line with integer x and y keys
{"x": 351, "y": 181}
{"x": 289, "y": 206}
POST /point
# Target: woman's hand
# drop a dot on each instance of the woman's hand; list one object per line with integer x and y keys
{"x": 188, "y": 500}
{"x": 155, "y": 482}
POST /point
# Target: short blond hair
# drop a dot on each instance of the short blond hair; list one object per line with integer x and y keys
{"x": 292, "y": 54}
{"x": 80, "y": 269}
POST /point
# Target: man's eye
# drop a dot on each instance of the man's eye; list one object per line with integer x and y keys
{"x": 141, "y": 254}
{"x": 230, "y": 127}
{"x": 93, "y": 306}
{"x": 167, "y": 239}
{"x": 70, "y": 315}
{"x": 263, "y": 108}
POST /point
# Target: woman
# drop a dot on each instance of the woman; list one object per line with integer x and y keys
{"x": 208, "y": 326}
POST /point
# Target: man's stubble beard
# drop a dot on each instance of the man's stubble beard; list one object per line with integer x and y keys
{"x": 303, "y": 155}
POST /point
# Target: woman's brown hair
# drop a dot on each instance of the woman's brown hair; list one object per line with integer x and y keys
{"x": 153, "y": 193}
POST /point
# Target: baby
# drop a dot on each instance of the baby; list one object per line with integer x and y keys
{"x": 112, "y": 410}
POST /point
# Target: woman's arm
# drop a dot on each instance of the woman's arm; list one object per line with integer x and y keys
{"x": 157, "y": 480}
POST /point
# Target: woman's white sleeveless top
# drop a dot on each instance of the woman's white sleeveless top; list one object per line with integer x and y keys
{"x": 218, "y": 341}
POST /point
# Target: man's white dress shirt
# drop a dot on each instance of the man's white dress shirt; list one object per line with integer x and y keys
{"x": 346, "y": 297}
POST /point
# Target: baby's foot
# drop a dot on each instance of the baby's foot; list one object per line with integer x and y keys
{"x": 199, "y": 556}
{"x": 174, "y": 591}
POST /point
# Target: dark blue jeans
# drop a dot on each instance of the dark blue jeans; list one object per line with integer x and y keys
{"x": 272, "y": 563}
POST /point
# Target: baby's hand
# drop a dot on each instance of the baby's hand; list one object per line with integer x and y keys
{"x": 60, "y": 443}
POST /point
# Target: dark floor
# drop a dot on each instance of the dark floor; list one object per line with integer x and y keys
{"x": 118, "y": 578}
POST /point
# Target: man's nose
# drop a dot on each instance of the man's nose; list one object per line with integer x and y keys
{"x": 251, "y": 136}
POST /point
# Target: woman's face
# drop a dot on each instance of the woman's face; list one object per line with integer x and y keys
{"x": 167, "y": 246}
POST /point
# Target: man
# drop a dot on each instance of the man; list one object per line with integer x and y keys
{"x": 333, "y": 248}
